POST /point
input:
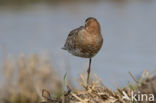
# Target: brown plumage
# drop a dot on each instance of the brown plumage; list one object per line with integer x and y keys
{"x": 85, "y": 41}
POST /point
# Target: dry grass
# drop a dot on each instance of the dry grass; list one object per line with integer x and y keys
{"x": 32, "y": 79}
{"x": 96, "y": 92}
{"x": 26, "y": 77}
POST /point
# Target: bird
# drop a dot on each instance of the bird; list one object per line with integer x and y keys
{"x": 85, "y": 41}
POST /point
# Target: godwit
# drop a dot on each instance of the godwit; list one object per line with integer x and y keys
{"x": 85, "y": 41}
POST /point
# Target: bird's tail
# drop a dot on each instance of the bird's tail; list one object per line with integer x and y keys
{"x": 64, "y": 48}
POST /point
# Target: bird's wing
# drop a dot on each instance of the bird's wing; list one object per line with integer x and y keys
{"x": 71, "y": 37}
{"x": 75, "y": 31}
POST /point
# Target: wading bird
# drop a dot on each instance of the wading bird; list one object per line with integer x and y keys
{"x": 85, "y": 41}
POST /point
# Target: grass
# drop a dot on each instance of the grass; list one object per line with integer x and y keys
{"x": 33, "y": 79}
{"x": 25, "y": 78}
{"x": 96, "y": 92}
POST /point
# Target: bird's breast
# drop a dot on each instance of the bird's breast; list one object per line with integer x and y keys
{"x": 90, "y": 43}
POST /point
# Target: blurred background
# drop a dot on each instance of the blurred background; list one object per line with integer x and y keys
{"x": 32, "y": 33}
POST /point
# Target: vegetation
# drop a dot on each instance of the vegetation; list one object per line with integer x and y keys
{"x": 19, "y": 2}
{"x": 32, "y": 79}
{"x": 96, "y": 92}
{"x": 25, "y": 78}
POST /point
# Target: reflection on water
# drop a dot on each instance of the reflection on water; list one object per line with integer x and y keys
{"x": 128, "y": 30}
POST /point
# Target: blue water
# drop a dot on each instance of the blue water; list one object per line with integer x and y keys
{"x": 129, "y": 31}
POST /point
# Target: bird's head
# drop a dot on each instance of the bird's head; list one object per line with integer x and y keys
{"x": 91, "y": 24}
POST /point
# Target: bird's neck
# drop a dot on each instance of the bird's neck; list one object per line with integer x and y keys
{"x": 93, "y": 30}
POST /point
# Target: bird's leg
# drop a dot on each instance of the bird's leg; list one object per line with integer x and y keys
{"x": 88, "y": 71}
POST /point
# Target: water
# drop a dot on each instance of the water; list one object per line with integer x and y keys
{"x": 129, "y": 31}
